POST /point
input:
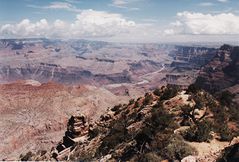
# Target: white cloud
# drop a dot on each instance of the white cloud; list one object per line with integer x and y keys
{"x": 89, "y": 23}
{"x": 119, "y": 2}
{"x": 100, "y": 24}
{"x": 206, "y": 4}
{"x": 169, "y": 32}
{"x": 124, "y": 4}
{"x": 25, "y": 29}
{"x": 222, "y": 0}
{"x": 205, "y": 24}
{"x": 58, "y": 5}
{"x": 73, "y": 1}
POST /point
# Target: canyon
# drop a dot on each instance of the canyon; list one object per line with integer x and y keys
{"x": 44, "y": 82}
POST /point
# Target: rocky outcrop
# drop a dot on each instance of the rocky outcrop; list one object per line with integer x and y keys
{"x": 186, "y": 64}
{"x": 191, "y": 57}
{"x": 222, "y": 72}
{"x": 77, "y": 128}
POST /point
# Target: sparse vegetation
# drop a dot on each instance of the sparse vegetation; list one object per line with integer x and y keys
{"x": 93, "y": 132}
{"x": 27, "y": 156}
{"x": 177, "y": 149}
{"x": 151, "y": 157}
{"x": 226, "y": 98}
{"x": 169, "y": 92}
{"x": 147, "y": 99}
{"x": 136, "y": 104}
{"x": 157, "y": 92}
{"x": 200, "y": 132}
{"x": 131, "y": 101}
{"x": 144, "y": 130}
{"x": 193, "y": 89}
{"x": 117, "y": 134}
{"x": 225, "y": 133}
{"x": 116, "y": 107}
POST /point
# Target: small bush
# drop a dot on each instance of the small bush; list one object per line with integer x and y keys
{"x": 151, "y": 157}
{"x": 148, "y": 99}
{"x": 157, "y": 92}
{"x": 117, "y": 135}
{"x": 225, "y": 134}
{"x": 116, "y": 107}
{"x": 161, "y": 140}
{"x": 226, "y": 98}
{"x": 27, "y": 157}
{"x": 177, "y": 149}
{"x": 41, "y": 152}
{"x": 136, "y": 104}
{"x": 200, "y": 132}
{"x": 160, "y": 119}
{"x": 93, "y": 133}
{"x": 193, "y": 88}
{"x": 131, "y": 101}
{"x": 233, "y": 113}
{"x": 170, "y": 92}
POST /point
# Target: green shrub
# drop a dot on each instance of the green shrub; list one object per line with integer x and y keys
{"x": 193, "y": 88}
{"x": 131, "y": 101}
{"x": 116, "y": 107}
{"x": 136, "y": 104}
{"x": 148, "y": 99}
{"x": 27, "y": 156}
{"x": 226, "y": 98}
{"x": 150, "y": 157}
{"x": 160, "y": 119}
{"x": 225, "y": 133}
{"x": 117, "y": 135}
{"x": 93, "y": 133}
{"x": 170, "y": 92}
{"x": 200, "y": 132}
{"x": 157, "y": 92}
{"x": 233, "y": 113}
{"x": 161, "y": 140}
{"x": 177, "y": 149}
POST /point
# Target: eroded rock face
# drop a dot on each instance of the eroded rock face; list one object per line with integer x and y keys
{"x": 77, "y": 127}
{"x": 51, "y": 72}
{"x": 222, "y": 72}
{"x": 187, "y": 63}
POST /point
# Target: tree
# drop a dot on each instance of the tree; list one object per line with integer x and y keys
{"x": 200, "y": 132}
{"x": 169, "y": 92}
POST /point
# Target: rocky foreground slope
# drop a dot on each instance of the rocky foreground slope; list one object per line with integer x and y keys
{"x": 168, "y": 124}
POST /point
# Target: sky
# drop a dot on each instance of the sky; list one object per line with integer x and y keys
{"x": 121, "y": 20}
